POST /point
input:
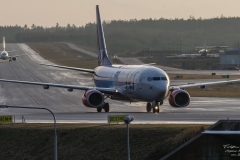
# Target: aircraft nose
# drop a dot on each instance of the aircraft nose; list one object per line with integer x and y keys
{"x": 164, "y": 85}
{"x": 163, "y": 90}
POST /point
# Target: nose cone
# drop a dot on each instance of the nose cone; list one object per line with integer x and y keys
{"x": 159, "y": 80}
{"x": 163, "y": 90}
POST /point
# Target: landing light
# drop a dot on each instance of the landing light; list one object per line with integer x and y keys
{"x": 156, "y": 107}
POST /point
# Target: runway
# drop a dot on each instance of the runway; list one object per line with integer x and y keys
{"x": 68, "y": 106}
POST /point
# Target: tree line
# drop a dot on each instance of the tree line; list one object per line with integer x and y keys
{"x": 124, "y": 36}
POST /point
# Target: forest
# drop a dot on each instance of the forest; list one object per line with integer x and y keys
{"x": 133, "y": 36}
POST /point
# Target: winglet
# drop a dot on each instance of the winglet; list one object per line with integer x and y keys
{"x": 103, "y": 59}
{"x": 3, "y": 43}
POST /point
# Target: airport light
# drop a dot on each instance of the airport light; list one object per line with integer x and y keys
{"x": 55, "y": 132}
{"x": 127, "y": 120}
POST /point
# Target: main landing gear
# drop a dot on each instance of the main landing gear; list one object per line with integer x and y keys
{"x": 105, "y": 106}
{"x": 154, "y": 106}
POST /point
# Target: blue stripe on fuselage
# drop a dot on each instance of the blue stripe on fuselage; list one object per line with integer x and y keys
{"x": 103, "y": 83}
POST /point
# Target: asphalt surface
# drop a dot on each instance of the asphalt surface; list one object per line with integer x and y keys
{"x": 68, "y": 107}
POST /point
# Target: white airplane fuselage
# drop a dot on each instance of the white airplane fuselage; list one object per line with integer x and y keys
{"x": 4, "y": 55}
{"x": 136, "y": 83}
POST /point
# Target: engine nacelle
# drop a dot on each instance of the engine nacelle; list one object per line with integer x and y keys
{"x": 179, "y": 98}
{"x": 14, "y": 58}
{"x": 93, "y": 98}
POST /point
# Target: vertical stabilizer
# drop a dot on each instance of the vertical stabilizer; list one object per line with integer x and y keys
{"x": 3, "y": 43}
{"x": 103, "y": 59}
{"x": 205, "y": 46}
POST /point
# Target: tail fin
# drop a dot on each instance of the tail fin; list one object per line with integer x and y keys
{"x": 103, "y": 59}
{"x": 3, "y": 43}
{"x": 205, "y": 46}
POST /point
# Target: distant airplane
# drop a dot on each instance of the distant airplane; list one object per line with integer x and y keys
{"x": 131, "y": 83}
{"x": 4, "y": 54}
{"x": 204, "y": 49}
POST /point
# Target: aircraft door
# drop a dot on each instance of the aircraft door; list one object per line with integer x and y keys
{"x": 140, "y": 80}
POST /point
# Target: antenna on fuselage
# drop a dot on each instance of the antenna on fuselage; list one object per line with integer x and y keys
{"x": 3, "y": 43}
{"x": 103, "y": 59}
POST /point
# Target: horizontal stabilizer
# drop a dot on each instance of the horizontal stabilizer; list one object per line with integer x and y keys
{"x": 70, "y": 68}
{"x": 149, "y": 64}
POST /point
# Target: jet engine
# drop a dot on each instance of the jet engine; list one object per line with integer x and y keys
{"x": 14, "y": 58}
{"x": 179, "y": 98}
{"x": 92, "y": 98}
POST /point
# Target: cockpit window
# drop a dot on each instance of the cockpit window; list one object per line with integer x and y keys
{"x": 149, "y": 78}
{"x": 156, "y": 78}
{"x": 164, "y": 78}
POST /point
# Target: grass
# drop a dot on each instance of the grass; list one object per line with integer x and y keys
{"x": 197, "y": 63}
{"x": 93, "y": 141}
{"x": 61, "y": 54}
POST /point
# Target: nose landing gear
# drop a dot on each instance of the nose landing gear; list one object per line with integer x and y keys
{"x": 154, "y": 106}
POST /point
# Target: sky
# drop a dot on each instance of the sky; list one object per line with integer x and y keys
{"x": 47, "y": 13}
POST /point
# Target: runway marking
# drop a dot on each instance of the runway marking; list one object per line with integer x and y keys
{"x": 32, "y": 54}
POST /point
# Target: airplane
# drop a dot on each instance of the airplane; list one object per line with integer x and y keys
{"x": 4, "y": 54}
{"x": 131, "y": 83}
{"x": 203, "y": 52}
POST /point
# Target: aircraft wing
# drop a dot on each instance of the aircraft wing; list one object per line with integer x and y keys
{"x": 11, "y": 51}
{"x": 110, "y": 91}
{"x": 71, "y": 68}
{"x": 203, "y": 47}
{"x": 203, "y": 84}
{"x": 14, "y": 56}
{"x": 222, "y": 47}
{"x": 210, "y": 47}
{"x": 17, "y": 55}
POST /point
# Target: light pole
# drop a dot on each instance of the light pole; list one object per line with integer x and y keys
{"x": 127, "y": 120}
{"x": 55, "y": 132}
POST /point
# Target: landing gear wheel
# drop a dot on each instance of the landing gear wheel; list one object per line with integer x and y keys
{"x": 99, "y": 109}
{"x": 149, "y": 107}
{"x": 106, "y": 107}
